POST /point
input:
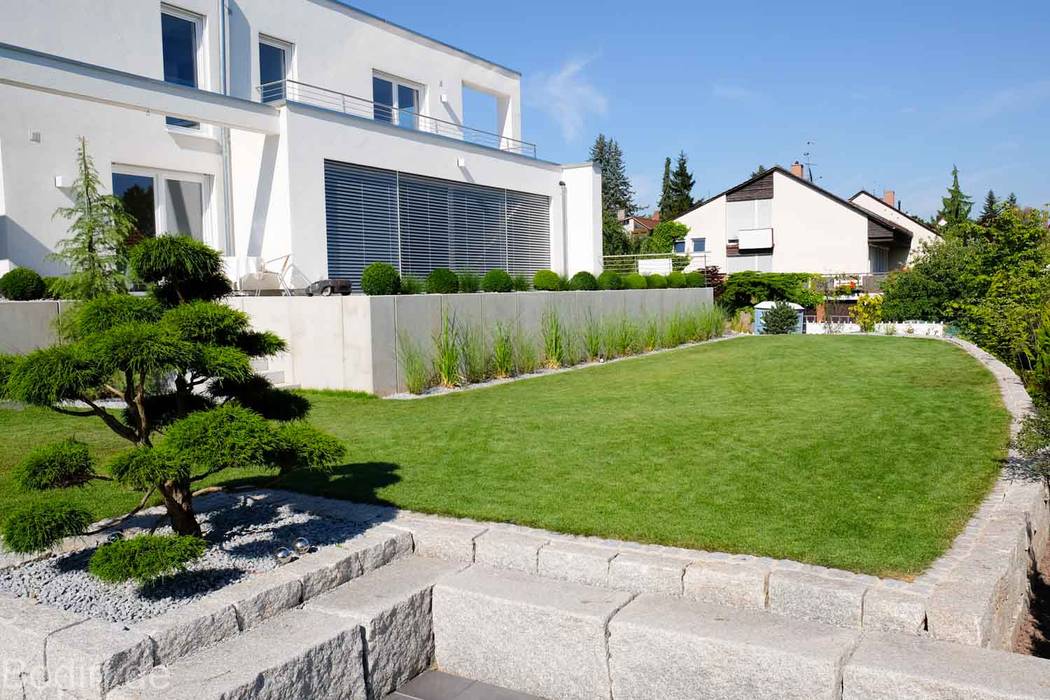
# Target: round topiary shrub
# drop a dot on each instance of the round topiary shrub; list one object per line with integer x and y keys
{"x": 59, "y": 465}
{"x": 22, "y": 284}
{"x": 610, "y": 280}
{"x": 442, "y": 281}
{"x": 695, "y": 279}
{"x": 145, "y": 558}
{"x": 583, "y": 281}
{"x": 547, "y": 281}
{"x": 634, "y": 281}
{"x": 676, "y": 280}
{"x": 656, "y": 281}
{"x": 380, "y": 278}
{"x": 497, "y": 281}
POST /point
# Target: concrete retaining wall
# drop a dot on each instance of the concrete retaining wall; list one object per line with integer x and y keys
{"x": 28, "y": 325}
{"x": 353, "y": 342}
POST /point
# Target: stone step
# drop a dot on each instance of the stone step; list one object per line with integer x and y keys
{"x": 297, "y": 654}
{"x": 392, "y": 605}
{"x": 525, "y": 633}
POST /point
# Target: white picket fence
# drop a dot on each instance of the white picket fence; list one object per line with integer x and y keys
{"x": 919, "y": 328}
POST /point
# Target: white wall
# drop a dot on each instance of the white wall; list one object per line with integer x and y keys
{"x": 919, "y": 234}
{"x": 708, "y": 221}
{"x": 814, "y": 233}
{"x": 583, "y": 220}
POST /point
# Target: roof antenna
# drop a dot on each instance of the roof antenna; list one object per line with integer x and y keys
{"x": 807, "y": 162}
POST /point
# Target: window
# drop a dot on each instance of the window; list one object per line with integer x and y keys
{"x": 395, "y": 103}
{"x": 273, "y": 68}
{"x": 679, "y": 246}
{"x": 180, "y": 36}
{"x": 164, "y": 202}
{"x": 699, "y": 245}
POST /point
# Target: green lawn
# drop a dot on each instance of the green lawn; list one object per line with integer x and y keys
{"x": 863, "y": 453}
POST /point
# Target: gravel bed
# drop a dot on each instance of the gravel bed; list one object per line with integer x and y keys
{"x": 244, "y": 534}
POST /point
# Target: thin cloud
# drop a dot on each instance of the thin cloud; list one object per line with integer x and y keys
{"x": 1013, "y": 99}
{"x": 568, "y": 97}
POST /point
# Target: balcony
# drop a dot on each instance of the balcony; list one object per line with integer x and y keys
{"x": 303, "y": 93}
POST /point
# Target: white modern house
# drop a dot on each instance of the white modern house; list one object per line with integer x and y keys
{"x": 301, "y": 128}
{"x": 780, "y": 221}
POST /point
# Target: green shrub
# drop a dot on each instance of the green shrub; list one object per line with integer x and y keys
{"x": 180, "y": 269}
{"x": 37, "y": 527}
{"x": 442, "y": 281}
{"x": 22, "y": 284}
{"x": 780, "y": 320}
{"x": 497, "y": 281}
{"x": 547, "y": 281}
{"x": 226, "y": 437}
{"x": 747, "y": 288}
{"x": 695, "y": 279}
{"x": 867, "y": 312}
{"x": 656, "y": 281}
{"x": 379, "y": 279}
{"x": 583, "y": 281}
{"x": 411, "y": 286}
{"x": 521, "y": 283}
{"x": 58, "y": 288}
{"x": 145, "y": 558}
{"x": 469, "y": 282}
{"x": 676, "y": 280}
{"x": 59, "y": 465}
{"x": 610, "y": 280}
{"x": 634, "y": 281}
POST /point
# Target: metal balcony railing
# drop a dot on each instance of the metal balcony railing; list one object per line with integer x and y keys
{"x": 303, "y": 93}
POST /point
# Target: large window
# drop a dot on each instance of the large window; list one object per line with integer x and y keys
{"x": 163, "y": 202}
{"x": 180, "y": 36}
{"x": 273, "y": 68}
{"x": 420, "y": 223}
{"x": 395, "y": 102}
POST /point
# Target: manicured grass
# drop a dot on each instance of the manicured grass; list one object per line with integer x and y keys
{"x": 863, "y": 453}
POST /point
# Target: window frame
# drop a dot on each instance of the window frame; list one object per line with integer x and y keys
{"x": 703, "y": 249}
{"x": 160, "y": 210}
{"x": 200, "y": 57}
{"x": 289, "y": 60}
{"x": 397, "y": 82}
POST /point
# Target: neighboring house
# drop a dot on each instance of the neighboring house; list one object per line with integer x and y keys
{"x": 638, "y": 226}
{"x": 889, "y": 208}
{"x": 266, "y": 129}
{"x": 779, "y": 221}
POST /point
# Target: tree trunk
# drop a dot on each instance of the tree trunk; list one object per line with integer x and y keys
{"x": 178, "y": 498}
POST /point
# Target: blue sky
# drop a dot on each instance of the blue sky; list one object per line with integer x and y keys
{"x": 890, "y": 93}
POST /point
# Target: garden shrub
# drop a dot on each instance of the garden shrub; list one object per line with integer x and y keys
{"x": 635, "y": 281}
{"x": 37, "y": 527}
{"x": 656, "y": 281}
{"x": 583, "y": 281}
{"x": 743, "y": 289}
{"x": 22, "y": 284}
{"x": 610, "y": 280}
{"x": 779, "y": 320}
{"x": 547, "y": 281}
{"x": 867, "y": 312}
{"x": 411, "y": 286}
{"x": 58, "y": 288}
{"x": 145, "y": 558}
{"x": 694, "y": 279}
{"x": 497, "y": 281}
{"x": 379, "y": 279}
{"x": 469, "y": 282}
{"x": 442, "y": 281}
{"x": 59, "y": 465}
{"x": 521, "y": 283}
{"x": 676, "y": 280}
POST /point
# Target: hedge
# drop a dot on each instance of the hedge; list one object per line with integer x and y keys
{"x": 22, "y": 284}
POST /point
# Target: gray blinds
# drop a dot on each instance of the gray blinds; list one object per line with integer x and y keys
{"x": 419, "y": 223}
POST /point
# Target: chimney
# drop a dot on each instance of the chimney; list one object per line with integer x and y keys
{"x": 797, "y": 169}
{"x": 890, "y": 197}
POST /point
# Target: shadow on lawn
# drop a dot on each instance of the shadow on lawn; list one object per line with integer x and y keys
{"x": 359, "y": 482}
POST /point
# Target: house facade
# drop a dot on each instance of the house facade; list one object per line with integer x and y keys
{"x": 779, "y": 221}
{"x": 304, "y": 129}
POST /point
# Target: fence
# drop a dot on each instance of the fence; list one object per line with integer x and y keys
{"x": 626, "y": 264}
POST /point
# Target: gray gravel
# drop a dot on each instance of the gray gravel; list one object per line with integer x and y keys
{"x": 244, "y": 533}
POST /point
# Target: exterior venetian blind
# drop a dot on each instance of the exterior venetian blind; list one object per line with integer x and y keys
{"x": 432, "y": 222}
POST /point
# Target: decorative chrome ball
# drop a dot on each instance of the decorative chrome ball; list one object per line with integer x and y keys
{"x": 283, "y": 555}
{"x": 301, "y": 545}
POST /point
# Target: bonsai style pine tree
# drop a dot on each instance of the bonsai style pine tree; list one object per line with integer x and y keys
{"x": 180, "y": 362}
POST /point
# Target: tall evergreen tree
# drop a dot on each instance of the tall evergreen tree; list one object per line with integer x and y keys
{"x": 617, "y": 192}
{"x": 759, "y": 170}
{"x": 664, "y": 204}
{"x": 1011, "y": 201}
{"x": 682, "y": 183}
{"x": 955, "y": 208}
{"x": 990, "y": 210}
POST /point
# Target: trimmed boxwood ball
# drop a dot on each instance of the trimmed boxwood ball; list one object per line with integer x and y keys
{"x": 59, "y": 465}
{"x": 380, "y": 279}
{"x": 634, "y": 281}
{"x": 656, "y": 281}
{"x": 497, "y": 281}
{"x": 610, "y": 280}
{"x": 37, "y": 527}
{"x": 583, "y": 281}
{"x": 546, "y": 281}
{"x": 22, "y": 284}
{"x": 676, "y": 280}
{"x": 442, "y": 281}
{"x": 145, "y": 558}
{"x": 694, "y": 279}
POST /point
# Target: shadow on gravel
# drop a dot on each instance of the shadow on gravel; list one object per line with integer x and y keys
{"x": 1034, "y": 634}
